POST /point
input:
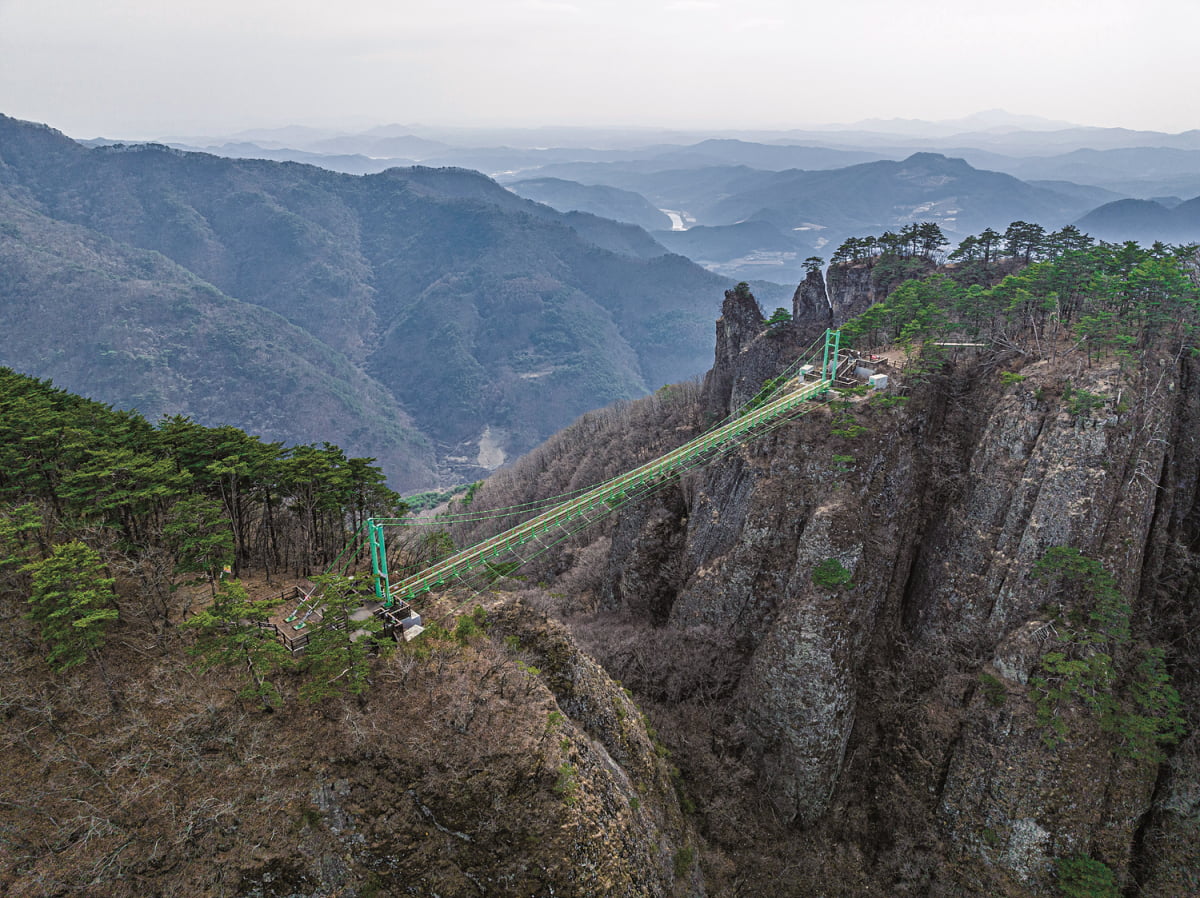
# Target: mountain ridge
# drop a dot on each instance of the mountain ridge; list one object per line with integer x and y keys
{"x": 346, "y": 258}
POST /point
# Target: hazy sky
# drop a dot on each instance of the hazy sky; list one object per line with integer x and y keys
{"x": 148, "y": 68}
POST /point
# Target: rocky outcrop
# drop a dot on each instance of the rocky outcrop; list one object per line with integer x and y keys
{"x": 867, "y": 576}
{"x": 851, "y": 290}
{"x": 938, "y": 513}
{"x": 748, "y": 353}
{"x": 940, "y": 521}
{"x": 810, "y": 303}
{"x": 758, "y": 527}
{"x": 741, "y": 322}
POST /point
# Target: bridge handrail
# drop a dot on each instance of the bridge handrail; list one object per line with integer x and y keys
{"x": 667, "y": 464}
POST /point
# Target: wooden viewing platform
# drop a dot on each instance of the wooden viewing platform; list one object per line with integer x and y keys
{"x": 399, "y": 621}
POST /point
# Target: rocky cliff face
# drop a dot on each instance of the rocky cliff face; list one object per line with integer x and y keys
{"x": 868, "y": 579}
{"x": 851, "y": 291}
{"x": 747, "y": 353}
{"x": 810, "y": 303}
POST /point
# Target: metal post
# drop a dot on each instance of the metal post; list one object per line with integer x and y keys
{"x": 825, "y": 358}
{"x": 379, "y": 562}
{"x": 832, "y": 339}
{"x": 383, "y": 568}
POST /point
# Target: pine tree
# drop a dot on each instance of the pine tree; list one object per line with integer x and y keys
{"x": 72, "y": 601}
{"x": 229, "y": 636}
{"x": 779, "y": 318}
{"x": 338, "y": 657}
{"x": 16, "y": 526}
{"x": 199, "y": 538}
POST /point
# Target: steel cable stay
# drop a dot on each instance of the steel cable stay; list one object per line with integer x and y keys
{"x": 807, "y": 356}
{"x": 551, "y": 525}
{"x": 476, "y": 591}
{"x": 632, "y": 485}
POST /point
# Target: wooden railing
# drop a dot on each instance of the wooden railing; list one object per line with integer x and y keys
{"x": 392, "y": 618}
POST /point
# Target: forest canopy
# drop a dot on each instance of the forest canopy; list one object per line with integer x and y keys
{"x": 1027, "y": 289}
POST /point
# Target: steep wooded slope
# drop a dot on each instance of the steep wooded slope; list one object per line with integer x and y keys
{"x": 464, "y": 771}
{"x": 478, "y": 311}
{"x": 157, "y": 741}
{"x": 608, "y": 202}
{"x": 131, "y": 327}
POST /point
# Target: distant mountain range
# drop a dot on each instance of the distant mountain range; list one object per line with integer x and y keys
{"x": 601, "y": 200}
{"x": 432, "y": 318}
{"x": 1145, "y": 221}
{"x": 775, "y": 180}
{"x": 429, "y": 318}
{"x": 1027, "y": 147}
{"x": 745, "y": 222}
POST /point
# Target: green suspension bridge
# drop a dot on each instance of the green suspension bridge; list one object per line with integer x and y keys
{"x": 804, "y": 386}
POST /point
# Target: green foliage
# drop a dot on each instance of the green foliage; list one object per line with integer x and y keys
{"x": 896, "y": 254}
{"x": 1066, "y": 677}
{"x": 1096, "y": 666}
{"x": 469, "y": 495}
{"x": 880, "y": 399}
{"x": 199, "y": 537}
{"x": 126, "y": 490}
{"x": 685, "y": 857}
{"x": 993, "y": 690}
{"x": 338, "y": 658}
{"x": 1081, "y": 402}
{"x": 228, "y": 635}
{"x": 1023, "y": 240}
{"x": 1111, "y": 299}
{"x": 470, "y": 625}
{"x": 916, "y": 310}
{"x": 566, "y": 784}
{"x": 1008, "y": 378}
{"x": 1155, "y": 715}
{"x": 831, "y": 574}
{"x": 433, "y": 498}
{"x": 892, "y": 270}
{"x": 843, "y": 423}
{"x": 203, "y": 496}
{"x": 18, "y": 524}
{"x": 1082, "y": 877}
{"x": 776, "y": 324}
{"x": 1108, "y": 608}
{"x": 844, "y": 464}
{"x": 71, "y": 601}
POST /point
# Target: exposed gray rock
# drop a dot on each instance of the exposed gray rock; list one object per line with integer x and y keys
{"x": 810, "y": 303}
{"x": 851, "y": 291}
